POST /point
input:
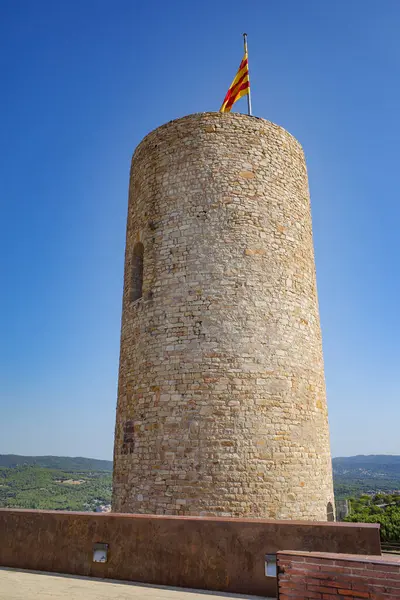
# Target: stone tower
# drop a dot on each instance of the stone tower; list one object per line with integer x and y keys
{"x": 221, "y": 402}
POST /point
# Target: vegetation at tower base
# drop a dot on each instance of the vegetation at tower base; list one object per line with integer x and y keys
{"x": 380, "y": 508}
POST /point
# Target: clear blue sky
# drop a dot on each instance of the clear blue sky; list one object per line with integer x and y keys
{"x": 81, "y": 83}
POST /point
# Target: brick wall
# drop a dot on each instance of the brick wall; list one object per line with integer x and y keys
{"x": 325, "y": 576}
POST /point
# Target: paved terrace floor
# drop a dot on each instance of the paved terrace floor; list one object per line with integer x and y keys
{"x": 33, "y": 585}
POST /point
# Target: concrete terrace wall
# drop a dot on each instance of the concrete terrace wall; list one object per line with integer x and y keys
{"x": 329, "y": 576}
{"x": 205, "y": 553}
{"x": 221, "y": 402}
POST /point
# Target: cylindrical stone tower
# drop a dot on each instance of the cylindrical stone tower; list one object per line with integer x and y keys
{"x": 221, "y": 402}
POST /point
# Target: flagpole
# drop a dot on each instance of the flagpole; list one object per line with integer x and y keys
{"x": 248, "y": 71}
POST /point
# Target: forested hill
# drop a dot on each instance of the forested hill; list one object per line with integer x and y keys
{"x": 351, "y": 467}
{"x": 64, "y": 463}
{"x": 361, "y": 466}
{"x": 373, "y": 464}
{"x": 355, "y": 475}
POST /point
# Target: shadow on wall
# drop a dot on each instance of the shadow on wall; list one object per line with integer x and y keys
{"x": 137, "y": 272}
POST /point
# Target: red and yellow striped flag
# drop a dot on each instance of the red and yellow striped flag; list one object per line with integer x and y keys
{"x": 240, "y": 86}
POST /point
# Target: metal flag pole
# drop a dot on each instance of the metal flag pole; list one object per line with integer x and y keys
{"x": 248, "y": 74}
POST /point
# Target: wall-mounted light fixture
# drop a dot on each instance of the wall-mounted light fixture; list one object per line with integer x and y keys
{"x": 270, "y": 565}
{"x": 100, "y": 552}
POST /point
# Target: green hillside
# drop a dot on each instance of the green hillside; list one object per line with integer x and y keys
{"x": 65, "y": 483}
{"x": 33, "y": 486}
{"x": 64, "y": 463}
{"x": 356, "y": 475}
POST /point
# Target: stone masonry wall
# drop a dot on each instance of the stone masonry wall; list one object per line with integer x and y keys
{"x": 221, "y": 401}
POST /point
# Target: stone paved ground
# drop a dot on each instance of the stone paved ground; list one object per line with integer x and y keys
{"x": 31, "y": 585}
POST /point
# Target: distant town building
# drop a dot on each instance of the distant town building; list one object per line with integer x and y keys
{"x": 103, "y": 508}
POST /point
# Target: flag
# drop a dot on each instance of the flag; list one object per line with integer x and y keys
{"x": 240, "y": 86}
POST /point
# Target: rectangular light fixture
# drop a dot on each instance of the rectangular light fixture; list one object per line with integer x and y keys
{"x": 100, "y": 553}
{"x": 270, "y": 565}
